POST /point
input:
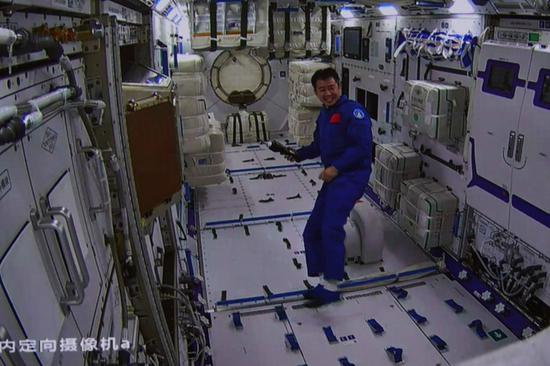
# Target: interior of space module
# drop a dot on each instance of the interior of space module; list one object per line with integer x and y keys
{"x": 153, "y": 205}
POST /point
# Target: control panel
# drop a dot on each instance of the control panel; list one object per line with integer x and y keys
{"x": 522, "y": 35}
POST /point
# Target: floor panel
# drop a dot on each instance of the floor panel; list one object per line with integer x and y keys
{"x": 242, "y": 264}
{"x": 463, "y": 342}
{"x": 348, "y": 319}
{"x": 240, "y": 260}
{"x": 254, "y": 196}
{"x": 261, "y": 339}
{"x": 270, "y": 255}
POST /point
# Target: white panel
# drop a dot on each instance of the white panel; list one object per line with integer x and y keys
{"x": 25, "y": 280}
{"x": 219, "y": 203}
{"x": 265, "y": 157}
{"x": 70, "y": 330}
{"x": 493, "y": 118}
{"x": 236, "y": 263}
{"x": 259, "y": 156}
{"x": 63, "y": 195}
{"x": 16, "y": 198}
{"x": 428, "y": 300}
{"x": 453, "y": 24}
{"x": 350, "y": 317}
{"x": 48, "y": 154}
{"x": 530, "y": 179}
{"x": 235, "y": 160}
{"x": 261, "y": 341}
{"x": 100, "y": 223}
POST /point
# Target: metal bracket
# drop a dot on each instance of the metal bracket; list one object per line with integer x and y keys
{"x": 80, "y": 263}
{"x": 15, "y": 358}
{"x": 72, "y": 293}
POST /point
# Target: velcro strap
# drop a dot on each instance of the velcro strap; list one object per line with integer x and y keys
{"x": 456, "y": 307}
{"x": 281, "y": 313}
{"x": 398, "y": 291}
{"x": 417, "y": 317}
{"x": 438, "y": 342}
{"x": 477, "y": 325}
{"x": 375, "y": 326}
{"x": 292, "y": 342}
{"x": 267, "y": 291}
{"x": 237, "y": 320}
{"x": 396, "y": 354}
{"x": 331, "y": 338}
{"x": 345, "y": 362}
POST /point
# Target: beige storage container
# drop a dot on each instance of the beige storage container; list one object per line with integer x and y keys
{"x": 427, "y": 212}
{"x": 394, "y": 163}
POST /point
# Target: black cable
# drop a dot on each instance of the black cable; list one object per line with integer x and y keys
{"x": 180, "y": 226}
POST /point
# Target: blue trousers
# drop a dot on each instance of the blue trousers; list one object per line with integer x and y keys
{"x": 324, "y": 233}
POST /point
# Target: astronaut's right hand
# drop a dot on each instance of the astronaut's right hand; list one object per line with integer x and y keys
{"x": 291, "y": 158}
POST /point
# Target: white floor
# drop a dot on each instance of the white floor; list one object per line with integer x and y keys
{"x": 248, "y": 246}
{"x": 261, "y": 340}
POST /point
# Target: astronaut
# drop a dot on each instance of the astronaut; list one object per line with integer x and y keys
{"x": 343, "y": 139}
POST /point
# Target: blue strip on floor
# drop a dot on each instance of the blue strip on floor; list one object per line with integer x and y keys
{"x": 275, "y": 167}
{"x": 366, "y": 282}
{"x": 255, "y": 219}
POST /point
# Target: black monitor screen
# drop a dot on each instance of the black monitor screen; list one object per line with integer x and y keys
{"x": 545, "y": 95}
{"x": 502, "y": 78}
{"x": 360, "y": 96}
{"x": 352, "y": 42}
{"x": 372, "y": 105}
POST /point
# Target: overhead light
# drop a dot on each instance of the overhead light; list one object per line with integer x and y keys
{"x": 387, "y": 9}
{"x": 346, "y": 13}
{"x": 462, "y": 7}
{"x": 161, "y": 5}
{"x": 429, "y": 4}
{"x": 352, "y": 11}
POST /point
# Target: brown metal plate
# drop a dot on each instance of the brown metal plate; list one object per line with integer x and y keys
{"x": 153, "y": 139}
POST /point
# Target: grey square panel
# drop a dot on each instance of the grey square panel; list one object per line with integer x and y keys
{"x": 218, "y": 203}
{"x": 221, "y": 197}
{"x": 463, "y": 343}
{"x": 23, "y": 265}
{"x": 279, "y": 189}
{"x": 237, "y": 160}
{"x": 70, "y": 330}
{"x": 261, "y": 341}
{"x": 48, "y": 155}
{"x": 242, "y": 265}
{"x": 16, "y": 200}
{"x": 268, "y": 158}
{"x": 350, "y": 317}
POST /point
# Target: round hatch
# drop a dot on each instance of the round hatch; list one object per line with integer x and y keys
{"x": 240, "y": 77}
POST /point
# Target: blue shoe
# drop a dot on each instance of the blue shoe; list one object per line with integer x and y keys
{"x": 320, "y": 296}
{"x": 314, "y": 292}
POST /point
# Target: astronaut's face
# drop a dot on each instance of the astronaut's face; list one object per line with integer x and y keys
{"x": 328, "y": 91}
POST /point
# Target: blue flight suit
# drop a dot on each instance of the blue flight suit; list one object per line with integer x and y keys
{"x": 343, "y": 139}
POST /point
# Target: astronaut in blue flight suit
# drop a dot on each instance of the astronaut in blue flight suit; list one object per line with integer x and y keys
{"x": 343, "y": 139}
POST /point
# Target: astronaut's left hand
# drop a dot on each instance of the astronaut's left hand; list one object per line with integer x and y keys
{"x": 328, "y": 174}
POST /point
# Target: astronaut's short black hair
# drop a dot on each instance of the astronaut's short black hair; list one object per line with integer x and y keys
{"x": 325, "y": 74}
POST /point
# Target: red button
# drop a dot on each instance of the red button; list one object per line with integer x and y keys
{"x": 336, "y": 118}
